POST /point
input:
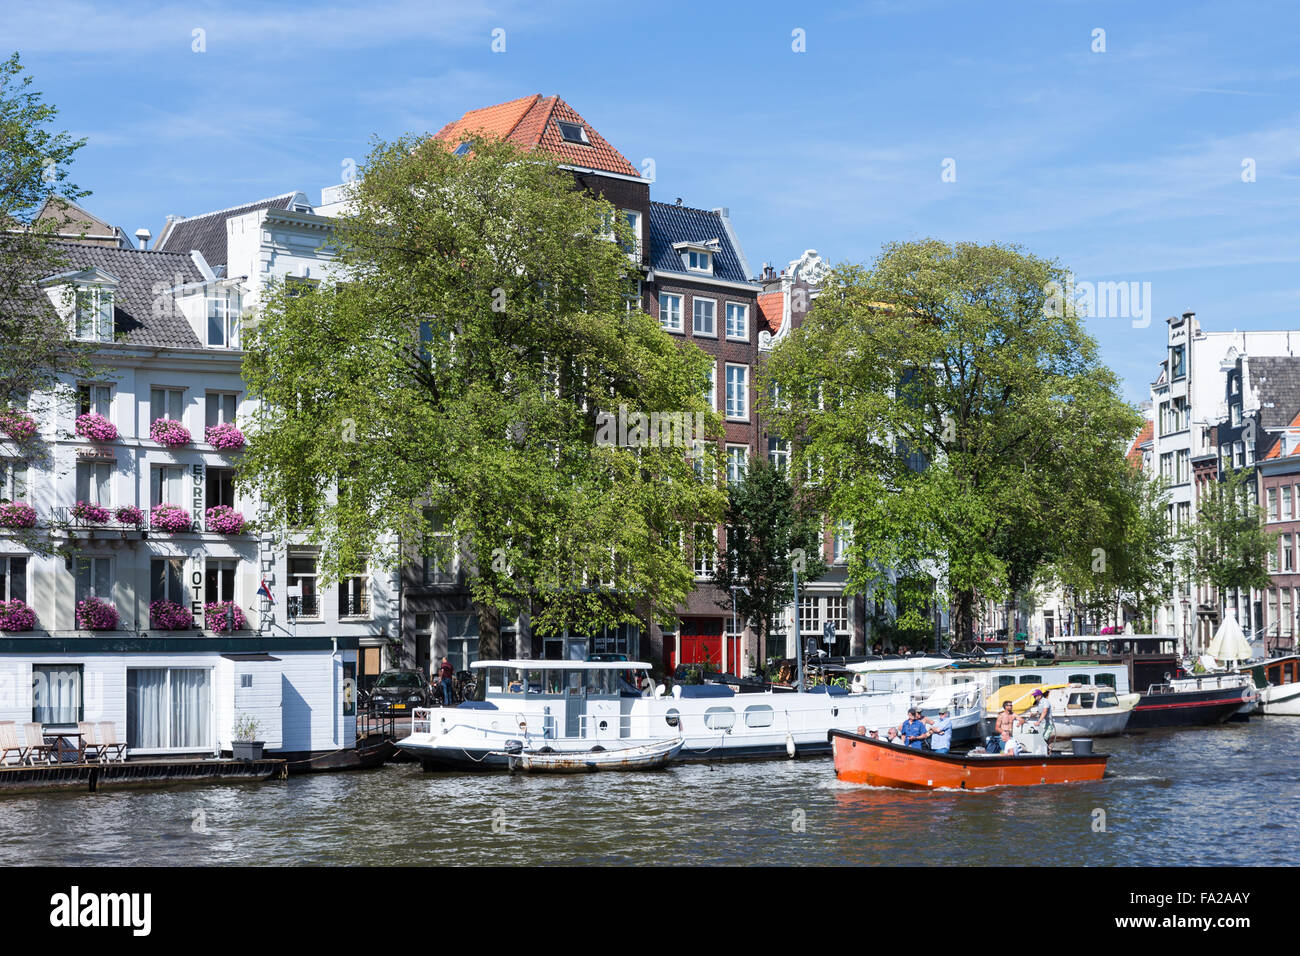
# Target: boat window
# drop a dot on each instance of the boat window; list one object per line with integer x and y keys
{"x": 672, "y": 716}
{"x": 601, "y": 683}
{"x": 1005, "y": 680}
{"x": 1073, "y": 701}
{"x": 1032, "y": 679}
{"x": 1107, "y": 679}
{"x": 496, "y": 680}
{"x": 719, "y": 718}
{"x": 1107, "y": 698}
{"x": 516, "y": 680}
{"x": 573, "y": 683}
{"x": 1085, "y": 700}
{"x": 536, "y": 682}
{"x": 1080, "y": 679}
{"x": 759, "y": 715}
{"x": 1166, "y": 647}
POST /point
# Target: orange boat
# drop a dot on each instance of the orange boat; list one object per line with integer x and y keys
{"x": 866, "y": 760}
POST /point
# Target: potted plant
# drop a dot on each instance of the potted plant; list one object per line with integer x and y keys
{"x": 224, "y": 519}
{"x": 95, "y": 427}
{"x": 94, "y": 614}
{"x": 172, "y": 518}
{"x": 225, "y": 437}
{"x": 88, "y": 513}
{"x": 219, "y": 613}
{"x": 19, "y": 426}
{"x": 16, "y": 616}
{"x": 130, "y": 515}
{"x": 168, "y": 616}
{"x": 17, "y": 514}
{"x": 166, "y": 431}
{"x": 244, "y": 744}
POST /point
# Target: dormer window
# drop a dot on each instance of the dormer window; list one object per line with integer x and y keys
{"x": 573, "y": 133}
{"x": 223, "y": 321}
{"x": 95, "y": 314}
{"x": 463, "y": 149}
{"x": 699, "y": 261}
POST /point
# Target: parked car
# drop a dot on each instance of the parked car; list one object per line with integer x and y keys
{"x": 400, "y": 691}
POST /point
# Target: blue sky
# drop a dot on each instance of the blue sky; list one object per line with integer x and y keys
{"x": 1126, "y": 165}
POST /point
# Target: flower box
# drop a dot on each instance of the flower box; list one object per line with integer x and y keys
{"x": 225, "y": 437}
{"x": 18, "y": 514}
{"x": 170, "y": 518}
{"x": 168, "y": 616}
{"x": 217, "y": 620}
{"x": 16, "y": 616}
{"x": 96, "y": 427}
{"x": 130, "y": 515}
{"x": 88, "y": 513}
{"x": 17, "y": 425}
{"x": 94, "y": 614}
{"x": 224, "y": 519}
{"x": 173, "y": 434}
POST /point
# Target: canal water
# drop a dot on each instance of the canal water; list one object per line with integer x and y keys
{"x": 1223, "y": 795}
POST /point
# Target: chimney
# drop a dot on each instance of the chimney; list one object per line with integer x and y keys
{"x": 679, "y": 200}
{"x": 1189, "y": 315}
{"x": 142, "y": 237}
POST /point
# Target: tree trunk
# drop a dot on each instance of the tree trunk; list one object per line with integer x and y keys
{"x": 489, "y": 632}
{"x": 964, "y": 624}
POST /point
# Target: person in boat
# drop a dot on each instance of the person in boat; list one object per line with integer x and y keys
{"x": 914, "y": 730}
{"x": 445, "y": 674}
{"x": 1009, "y": 746}
{"x": 1044, "y": 720}
{"x": 941, "y": 731}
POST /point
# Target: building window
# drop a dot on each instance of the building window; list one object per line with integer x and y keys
{"x": 1272, "y": 560}
{"x": 223, "y": 322}
{"x": 737, "y": 463}
{"x": 13, "y": 578}
{"x": 168, "y": 708}
{"x": 711, "y": 390}
{"x": 221, "y": 487}
{"x": 699, "y": 261}
{"x": 1288, "y": 555}
{"x": 166, "y": 403}
{"x": 705, "y": 548}
{"x": 837, "y": 612}
{"x": 57, "y": 696}
{"x": 572, "y": 132}
{"x": 737, "y": 321}
{"x": 95, "y": 315}
{"x": 94, "y": 399}
{"x": 354, "y": 595}
{"x": 221, "y": 408}
{"x": 1286, "y": 502}
{"x": 633, "y": 220}
{"x": 1271, "y": 496}
{"x": 1183, "y": 462}
{"x": 303, "y": 573}
{"x": 1177, "y": 362}
{"x": 1167, "y": 466}
{"x": 167, "y": 485}
{"x": 778, "y": 453}
{"x": 167, "y": 581}
{"x": 670, "y": 312}
{"x": 738, "y": 391}
{"x": 841, "y": 541}
{"x": 1287, "y": 622}
{"x": 1272, "y": 610}
{"x": 94, "y": 482}
{"x": 219, "y": 581}
{"x": 13, "y": 480}
{"x": 809, "y": 615}
{"x": 704, "y": 310}
{"x": 1184, "y": 514}
{"x": 94, "y": 578}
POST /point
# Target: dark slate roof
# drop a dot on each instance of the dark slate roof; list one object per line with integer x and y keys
{"x": 670, "y": 223}
{"x": 1276, "y": 382}
{"x": 138, "y": 273}
{"x": 207, "y": 233}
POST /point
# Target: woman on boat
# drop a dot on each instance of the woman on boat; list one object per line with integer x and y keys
{"x": 1044, "y": 720}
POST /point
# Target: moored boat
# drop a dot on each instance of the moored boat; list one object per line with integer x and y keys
{"x": 864, "y": 760}
{"x": 1192, "y": 701}
{"x": 643, "y": 757}
{"x": 1278, "y": 680}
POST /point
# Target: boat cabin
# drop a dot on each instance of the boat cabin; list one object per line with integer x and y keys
{"x": 1276, "y": 672}
{"x": 1148, "y": 658}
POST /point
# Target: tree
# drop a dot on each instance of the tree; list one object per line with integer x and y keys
{"x": 1227, "y": 547}
{"x": 36, "y": 348}
{"x": 964, "y": 425}
{"x": 767, "y": 530}
{"x": 463, "y": 374}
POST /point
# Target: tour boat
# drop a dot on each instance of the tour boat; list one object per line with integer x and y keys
{"x": 1278, "y": 681}
{"x": 864, "y": 760}
{"x": 643, "y": 757}
{"x": 573, "y": 706}
{"x": 1078, "y": 710}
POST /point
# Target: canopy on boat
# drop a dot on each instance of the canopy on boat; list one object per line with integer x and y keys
{"x": 1229, "y": 643}
{"x": 902, "y": 664}
{"x": 1020, "y": 695}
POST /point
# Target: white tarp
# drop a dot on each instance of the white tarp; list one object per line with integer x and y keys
{"x": 1229, "y": 643}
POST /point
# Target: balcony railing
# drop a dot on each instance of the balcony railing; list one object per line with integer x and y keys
{"x": 307, "y": 606}
{"x": 356, "y": 605}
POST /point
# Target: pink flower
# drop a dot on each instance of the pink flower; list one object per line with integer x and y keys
{"x": 170, "y": 518}
{"x": 224, "y": 519}
{"x": 17, "y": 425}
{"x": 130, "y": 514}
{"x": 166, "y": 431}
{"x": 96, "y": 427}
{"x": 16, "y": 616}
{"x": 167, "y": 616}
{"x": 96, "y": 615}
{"x": 89, "y": 513}
{"x": 217, "y": 619}
{"x": 17, "y": 515}
{"x": 225, "y": 437}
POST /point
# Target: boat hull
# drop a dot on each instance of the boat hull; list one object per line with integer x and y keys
{"x": 630, "y": 758}
{"x": 1283, "y": 701}
{"x": 863, "y": 760}
{"x": 1191, "y": 708}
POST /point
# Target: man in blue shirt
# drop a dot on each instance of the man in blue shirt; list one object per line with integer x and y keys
{"x": 941, "y": 732}
{"x": 913, "y": 729}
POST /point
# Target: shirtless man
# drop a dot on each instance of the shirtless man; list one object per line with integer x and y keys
{"x": 1006, "y": 719}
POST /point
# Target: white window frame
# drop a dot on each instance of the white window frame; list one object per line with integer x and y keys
{"x": 14, "y": 479}
{"x": 360, "y": 584}
{"x": 696, "y": 302}
{"x": 98, "y": 399}
{"x": 163, "y": 481}
{"x": 221, "y": 416}
{"x": 293, "y": 577}
{"x": 98, "y": 490}
{"x": 93, "y": 562}
{"x": 778, "y": 453}
{"x": 8, "y": 575}
{"x": 183, "y": 598}
{"x": 841, "y": 541}
{"x": 706, "y": 559}
{"x": 218, "y": 565}
{"x": 99, "y": 325}
{"x": 226, "y": 306}
{"x": 699, "y": 261}
{"x": 169, "y": 398}
{"x": 743, "y": 310}
{"x": 736, "y": 475}
{"x": 665, "y": 299}
{"x": 742, "y": 410}
{"x": 712, "y": 393}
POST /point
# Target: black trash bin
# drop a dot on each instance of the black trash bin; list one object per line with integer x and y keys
{"x": 1081, "y": 746}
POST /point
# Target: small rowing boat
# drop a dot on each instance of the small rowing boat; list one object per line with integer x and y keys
{"x": 860, "y": 759}
{"x": 644, "y": 757}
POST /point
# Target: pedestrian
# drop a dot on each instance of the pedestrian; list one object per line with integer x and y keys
{"x": 941, "y": 732}
{"x": 445, "y": 674}
{"x": 913, "y": 730}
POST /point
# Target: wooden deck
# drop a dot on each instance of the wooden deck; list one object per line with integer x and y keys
{"x": 91, "y": 777}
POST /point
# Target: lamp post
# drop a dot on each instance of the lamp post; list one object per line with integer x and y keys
{"x": 1187, "y": 644}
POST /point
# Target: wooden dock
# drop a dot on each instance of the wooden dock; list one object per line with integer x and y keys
{"x": 92, "y": 777}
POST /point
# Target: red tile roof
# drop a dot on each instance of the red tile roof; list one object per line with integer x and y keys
{"x": 1276, "y": 450}
{"x": 530, "y": 124}
{"x": 1134, "y": 455}
{"x": 771, "y": 310}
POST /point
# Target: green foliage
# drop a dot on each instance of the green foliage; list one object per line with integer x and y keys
{"x": 1228, "y": 546}
{"x": 963, "y": 428}
{"x": 768, "y": 527}
{"x": 453, "y": 381}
